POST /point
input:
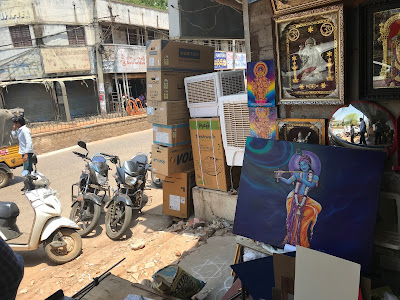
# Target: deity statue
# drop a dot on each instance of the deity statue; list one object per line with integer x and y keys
{"x": 313, "y": 63}
{"x": 300, "y": 138}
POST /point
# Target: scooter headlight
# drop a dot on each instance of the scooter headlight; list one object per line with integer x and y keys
{"x": 130, "y": 180}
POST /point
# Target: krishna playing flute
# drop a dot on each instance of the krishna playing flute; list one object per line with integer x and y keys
{"x": 302, "y": 211}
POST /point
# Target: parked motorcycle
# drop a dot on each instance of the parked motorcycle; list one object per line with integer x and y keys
{"x": 131, "y": 180}
{"x": 86, "y": 201}
{"x": 59, "y": 235}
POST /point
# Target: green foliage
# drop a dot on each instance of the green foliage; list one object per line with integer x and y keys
{"x": 351, "y": 119}
{"x": 161, "y": 4}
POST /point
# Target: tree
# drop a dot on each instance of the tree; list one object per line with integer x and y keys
{"x": 160, "y": 4}
{"x": 351, "y": 119}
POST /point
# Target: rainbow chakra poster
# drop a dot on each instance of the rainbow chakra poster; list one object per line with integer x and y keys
{"x": 263, "y": 122}
{"x": 261, "y": 83}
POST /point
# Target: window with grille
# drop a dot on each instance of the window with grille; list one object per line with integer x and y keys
{"x": 20, "y": 36}
{"x": 218, "y": 46}
{"x": 76, "y": 35}
{"x": 205, "y": 43}
{"x": 230, "y": 45}
{"x": 107, "y": 35}
{"x": 151, "y": 35}
{"x": 132, "y": 37}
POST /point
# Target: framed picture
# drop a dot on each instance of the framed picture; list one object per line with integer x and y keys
{"x": 261, "y": 83}
{"x": 263, "y": 122}
{"x": 289, "y": 6}
{"x": 310, "y": 57}
{"x": 291, "y": 193}
{"x": 309, "y": 131}
{"x": 380, "y": 50}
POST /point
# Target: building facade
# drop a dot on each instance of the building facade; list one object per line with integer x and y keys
{"x": 65, "y": 59}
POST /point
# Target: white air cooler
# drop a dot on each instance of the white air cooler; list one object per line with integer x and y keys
{"x": 203, "y": 91}
{"x": 235, "y": 127}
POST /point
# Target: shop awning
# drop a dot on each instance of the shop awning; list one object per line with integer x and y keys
{"x": 47, "y": 80}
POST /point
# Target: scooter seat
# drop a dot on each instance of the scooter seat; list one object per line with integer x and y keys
{"x": 8, "y": 210}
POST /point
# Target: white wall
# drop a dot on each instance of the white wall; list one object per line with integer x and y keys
{"x": 61, "y": 37}
{"x": 5, "y": 39}
{"x": 134, "y": 15}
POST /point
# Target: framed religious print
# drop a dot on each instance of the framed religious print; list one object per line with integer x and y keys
{"x": 310, "y": 57}
{"x": 261, "y": 83}
{"x": 289, "y": 6}
{"x": 380, "y": 50}
{"x": 263, "y": 122}
{"x": 309, "y": 131}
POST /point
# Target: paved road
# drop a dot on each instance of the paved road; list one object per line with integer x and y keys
{"x": 63, "y": 168}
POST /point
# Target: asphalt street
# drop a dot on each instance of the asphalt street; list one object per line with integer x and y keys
{"x": 63, "y": 169}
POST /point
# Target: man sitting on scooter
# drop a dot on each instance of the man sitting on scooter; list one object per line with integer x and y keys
{"x": 23, "y": 134}
{"x": 11, "y": 271}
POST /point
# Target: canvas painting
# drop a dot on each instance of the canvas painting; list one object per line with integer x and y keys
{"x": 261, "y": 83}
{"x": 310, "y": 131}
{"x": 263, "y": 122}
{"x": 320, "y": 197}
{"x": 309, "y": 50}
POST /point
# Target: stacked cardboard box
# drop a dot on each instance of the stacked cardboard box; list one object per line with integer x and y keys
{"x": 168, "y": 63}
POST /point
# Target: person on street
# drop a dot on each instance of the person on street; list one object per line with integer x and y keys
{"x": 363, "y": 130}
{"x": 23, "y": 134}
{"x": 352, "y": 133}
{"x": 12, "y": 271}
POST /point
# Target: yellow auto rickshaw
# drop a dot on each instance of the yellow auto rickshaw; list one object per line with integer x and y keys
{"x": 9, "y": 156}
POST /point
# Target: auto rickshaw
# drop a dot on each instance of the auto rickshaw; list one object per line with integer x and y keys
{"x": 9, "y": 156}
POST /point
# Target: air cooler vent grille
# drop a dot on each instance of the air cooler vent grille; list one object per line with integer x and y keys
{"x": 202, "y": 91}
{"x": 237, "y": 124}
{"x": 232, "y": 83}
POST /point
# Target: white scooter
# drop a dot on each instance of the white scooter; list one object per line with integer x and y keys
{"x": 62, "y": 243}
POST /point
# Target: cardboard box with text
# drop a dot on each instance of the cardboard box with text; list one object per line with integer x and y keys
{"x": 171, "y": 160}
{"x": 167, "y": 112}
{"x": 171, "y": 135}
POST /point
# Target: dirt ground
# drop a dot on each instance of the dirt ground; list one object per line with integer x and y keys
{"x": 162, "y": 248}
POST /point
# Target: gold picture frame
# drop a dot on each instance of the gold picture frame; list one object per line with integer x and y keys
{"x": 309, "y": 51}
{"x": 289, "y": 6}
{"x": 311, "y": 131}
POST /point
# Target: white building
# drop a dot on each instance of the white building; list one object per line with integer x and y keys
{"x": 48, "y": 63}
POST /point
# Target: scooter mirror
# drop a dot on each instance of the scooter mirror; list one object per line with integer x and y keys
{"x": 82, "y": 144}
{"x": 34, "y": 159}
{"x": 24, "y": 173}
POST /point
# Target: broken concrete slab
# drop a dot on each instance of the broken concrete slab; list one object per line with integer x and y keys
{"x": 211, "y": 263}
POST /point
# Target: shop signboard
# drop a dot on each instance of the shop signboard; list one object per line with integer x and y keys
{"x": 64, "y": 60}
{"x": 240, "y": 61}
{"x": 124, "y": 59}
{"x": 220, "y": 60}
{"x": 20, "y": 64}
{"x": 229, "y": 60}
{"x": 14, "y": 12}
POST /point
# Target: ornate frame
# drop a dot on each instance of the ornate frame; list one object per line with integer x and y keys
{"x": 367, "y": 11}
{"x": 338, "y": 51}
{"x": 314, "y": 3}
{"x": 317, "y": 125}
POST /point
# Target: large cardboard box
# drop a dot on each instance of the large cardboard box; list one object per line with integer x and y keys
{"x": 171, "y": 160}
{"x": 208, "y": 154}
{"x": 167, "y": 112}
{"x": 176, "y": 56}
{"x": 177, "y": 194}
{"x": 171, "y": 135}
{"x": 166, "y": 86}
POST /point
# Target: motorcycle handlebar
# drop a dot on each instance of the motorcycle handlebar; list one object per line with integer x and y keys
{"x": 80, "y": 155}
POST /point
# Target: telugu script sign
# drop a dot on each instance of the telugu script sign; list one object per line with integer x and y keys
{"x": 124, "y": 59}
{"x": 21, "y": 65}
{"x": 61, "y": 60}
{"x": 15, "y": 12}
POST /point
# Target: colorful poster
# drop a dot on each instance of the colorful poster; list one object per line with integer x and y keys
{"x": 320, "y": 197}
{"x": 261, "y": 83}
{"x": 220, "y": 60}
{"x": 263, "y": 122}
{"x": 240, "y": 61}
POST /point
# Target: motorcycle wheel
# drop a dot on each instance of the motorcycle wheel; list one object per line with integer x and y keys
{"x": 73, "y": 248}
{"x": 155, "y": 180}
{"x": 118, "y": 218}
{"x": 3, "y": 178}
{"x": 86, "y": 214}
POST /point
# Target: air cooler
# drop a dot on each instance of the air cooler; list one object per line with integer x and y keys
{"x": 235, "y": 126}
{"x": 203, "y": 91}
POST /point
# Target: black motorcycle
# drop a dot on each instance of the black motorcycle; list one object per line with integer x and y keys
{"x": 131, "y": 180}
{"x": 86, "y": 199}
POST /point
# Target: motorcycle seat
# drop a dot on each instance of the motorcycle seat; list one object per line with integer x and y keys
{"x": 8, "y": 210}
